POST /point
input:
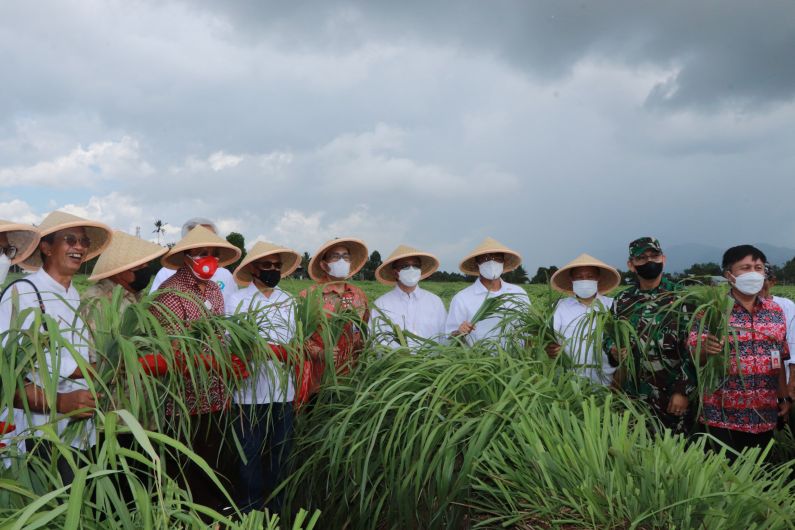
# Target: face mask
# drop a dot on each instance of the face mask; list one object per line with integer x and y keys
{"x": 491, "y": 270}
{"x": 339, "y": 269}
{"x": 142, "y": 277}
{"x": 5, "y": 264}
{"x": 270, "y": 277}
{"x": 649, "y": 270}
{"x": 204, "y": 268}
{"x": 410, "y": 276}
{"x": 585, "y": 288}
{"x": 749, "y": 283}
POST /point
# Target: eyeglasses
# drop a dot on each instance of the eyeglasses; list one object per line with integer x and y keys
{"x": 72, "y": 240}
{"x": 268, "y": 265}
{"x": 645, "y": 258}
{"x": 10, "y": 251}
{"x": 499, "y": 258}
{"x": 406, "y": 266}
{"x": 336, "y": 256}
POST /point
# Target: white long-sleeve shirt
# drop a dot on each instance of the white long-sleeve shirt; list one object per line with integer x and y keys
{"x": 419, "y": 312}
{"x": 788, "y": 306}
{"x": 273, "y": 381}
{"x": 466, "y": 303}
{"x": 60, "y": 304}
{"x": 576, "y": 337}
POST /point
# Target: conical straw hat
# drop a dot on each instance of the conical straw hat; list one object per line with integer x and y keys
{"x": 490, "y": 246}
{"x": 428, "y": 264}
{"x": 290, "y": 260}
{"x": 99, "y": 234}
{"x": 24, "y": 237}
{"x": 200, "y": 237}
{"x": 609, "y": 278}
{"x": 125, "y": 252}
{"x": 356, "y": 247}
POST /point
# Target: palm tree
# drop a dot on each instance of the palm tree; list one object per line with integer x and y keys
{"x": 159, "y": 229}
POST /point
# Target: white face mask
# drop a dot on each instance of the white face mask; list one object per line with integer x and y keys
{"x": 491, "y": 270}
{"x": 339, "y": 269}
{"x": 585, "y": 288}
{"x": 749, "y": 283}
{"x": 410, "y": 276}
{"x": 5, "y": 264}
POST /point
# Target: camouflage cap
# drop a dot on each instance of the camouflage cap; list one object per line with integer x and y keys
{"x": 642, "y": 244}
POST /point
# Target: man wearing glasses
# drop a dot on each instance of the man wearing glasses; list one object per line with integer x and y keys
{"x": 265, "y": 400}
{"x": 661, "y": 371}
{"x": 334, "y": 263}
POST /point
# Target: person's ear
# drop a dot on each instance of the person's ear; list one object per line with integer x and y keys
{"x": 630, "y": 266}
{"x": 46, "y": 248}
{"x": 324, "y": 266}
{"x": 729, "y": 276}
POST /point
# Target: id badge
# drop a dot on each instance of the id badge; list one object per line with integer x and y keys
{"x": 775, "y": 360}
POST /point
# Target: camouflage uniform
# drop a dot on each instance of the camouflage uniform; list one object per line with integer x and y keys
{"x": 662, "y": 364}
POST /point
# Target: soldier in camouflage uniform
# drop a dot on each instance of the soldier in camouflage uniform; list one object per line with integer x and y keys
{"x": 661, "y": 372}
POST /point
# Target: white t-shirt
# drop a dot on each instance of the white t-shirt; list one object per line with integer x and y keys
{"x": 222, "y": 277}
{"x": 273, "y": 381}
{"x": 420, "y": 312}
{"x": 60, "y": 304}
{"x": 788, "y": 306}
{"x": 466, "y": 303}
{"x": 577, "y": 341}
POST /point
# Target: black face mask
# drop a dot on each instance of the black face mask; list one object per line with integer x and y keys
{"x": 142, "y": 277}
{"x": 270, "y": 277}
{"x": 649, "y": 270}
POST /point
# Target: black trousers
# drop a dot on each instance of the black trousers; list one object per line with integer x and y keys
{"x": 737, "y": 440}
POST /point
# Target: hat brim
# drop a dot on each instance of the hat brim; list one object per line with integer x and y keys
{"x": 131, "y": 265}
{"x": 609, "y": 278}
{"x": 291, "y": 260}
{"x": 470, "y": 268}
{"x": 429, "y": 264}
{"x": 24, "y": 237}
{"x": 359, "y": 257}
{"x": 100, "y": 235}
{"x": 176, "y": 260}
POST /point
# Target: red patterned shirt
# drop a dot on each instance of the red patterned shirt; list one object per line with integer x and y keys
{"x": 746, "y": 401}
{"x": 193, "y": 304}
{"x": 336, "y": 296}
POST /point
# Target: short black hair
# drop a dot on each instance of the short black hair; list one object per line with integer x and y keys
{"x": 735, "y": 254}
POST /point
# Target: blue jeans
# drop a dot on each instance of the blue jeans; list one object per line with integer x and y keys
{"x": 265, "y": 434}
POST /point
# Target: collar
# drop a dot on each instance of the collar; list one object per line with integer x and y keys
{"x": 186, "y": 276}
{"x": 479, "y": 288}
{"x": 413, "y": 294}
{"x": 49, "y": 282}
{"x": 336, "y": 287}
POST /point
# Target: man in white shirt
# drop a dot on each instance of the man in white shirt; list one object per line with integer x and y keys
{"x": 266, "y": 398}
{"x": 585, "y": 279}
{"x": 66, "y": 242}
{"x": 408, "y": 306}
{"x": 222, "y": 276}
{"x": 488, "y": 262}
{"x": 788, "y": 306}
{"x": 17, "y": 242}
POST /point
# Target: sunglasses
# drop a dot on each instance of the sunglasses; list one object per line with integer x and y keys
{"x": 10, "y": 251}
{"x": 73, "y": 240}
{"x": 268, "y": 265}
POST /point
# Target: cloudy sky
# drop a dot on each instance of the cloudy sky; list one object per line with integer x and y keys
{"x": 555, "y": 127}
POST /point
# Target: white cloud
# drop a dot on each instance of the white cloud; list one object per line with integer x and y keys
{"x": 82, "y": 167}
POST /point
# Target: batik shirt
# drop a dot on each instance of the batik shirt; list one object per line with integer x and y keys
{"x": 336, "y": 297}
{"x": 746, "y": 401}
{"x": 662, "y": 365}
{"x": 191, "y": 305}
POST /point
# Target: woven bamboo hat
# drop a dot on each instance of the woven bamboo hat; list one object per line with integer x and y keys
{"x": 428, "y": 264}
{"x": 24, "y": 237}
{"x": 290, "y": 260}
{"x": 356, "y": 247}
{"x": 125, "y": 252}
{"x": 200, "y": 237}
{"x": 490, "y": 246}
{"x": 100, "y": 235}
{"x": 609, "y": 278}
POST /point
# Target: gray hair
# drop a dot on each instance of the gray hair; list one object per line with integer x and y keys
{"x": 192, "y": 223}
